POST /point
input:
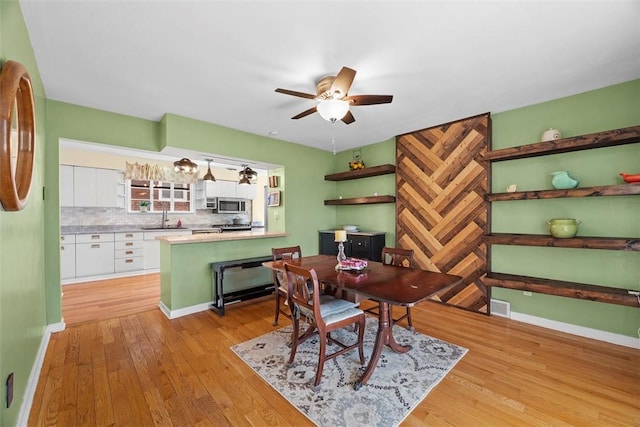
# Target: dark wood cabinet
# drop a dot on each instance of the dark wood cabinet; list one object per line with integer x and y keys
{"x": 364, "y": 245}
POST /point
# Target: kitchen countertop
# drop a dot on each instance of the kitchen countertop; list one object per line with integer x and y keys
{"x": 87, "y": 229}
{"x": 220, "y": 237}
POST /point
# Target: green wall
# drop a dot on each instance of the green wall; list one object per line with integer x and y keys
{"x": 608, "y": 108}
{"x": 29, "y": 243}
{"x": 22, "y": 258}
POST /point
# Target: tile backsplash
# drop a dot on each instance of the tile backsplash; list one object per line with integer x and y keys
{"x": 119, "y": 216}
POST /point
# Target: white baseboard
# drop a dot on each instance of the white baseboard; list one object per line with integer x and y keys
{"x": 108, "y": 276}
{"x": 174, "y": 314}
{"x": 32, "y": 382}
{"x": 581, "y": 331}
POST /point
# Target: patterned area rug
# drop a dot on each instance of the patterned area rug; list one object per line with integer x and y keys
{"x": 398, "y": 384}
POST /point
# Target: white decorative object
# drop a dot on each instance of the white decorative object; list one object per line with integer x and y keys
{"x": 512, "y": 188}
{"x": 550, "y": 135}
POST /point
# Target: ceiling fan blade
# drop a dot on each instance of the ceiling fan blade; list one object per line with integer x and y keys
{"x": 342, "y": 83}
{"x": 305, "y": 113}
{"x": 348, "y": 118}
{"x": 294, "y": 93}
{"x": 357, "y": 100}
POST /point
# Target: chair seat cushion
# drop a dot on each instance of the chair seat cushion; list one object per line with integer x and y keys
{"x": 330, "y": 305}
{"x": 341, "y": 315}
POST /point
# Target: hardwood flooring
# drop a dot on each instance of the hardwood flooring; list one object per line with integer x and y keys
{"x": 105, "y": 299}
{"x": 142, "y": 369}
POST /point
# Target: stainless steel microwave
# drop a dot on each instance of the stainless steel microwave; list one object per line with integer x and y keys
{"x": 225, "y": 205}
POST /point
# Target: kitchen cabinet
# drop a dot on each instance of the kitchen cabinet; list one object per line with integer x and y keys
{"x": 91, "y": 187}
{"x": 94, "y": 254}
{"x": 128, "y": 252}
{"x": 67, "y": 256}
{"x": 246, "y": 191}
{"x": 359, "y": 244}
{"x": 151, "y": 247}
{"x": 357, "y": 174}
{"x": 220, "y": 188}
{"x": 591, "y": 292}
{"x": 66, "y": 186}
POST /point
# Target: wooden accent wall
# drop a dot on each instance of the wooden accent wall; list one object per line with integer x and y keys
{"x": 441, "y": 181}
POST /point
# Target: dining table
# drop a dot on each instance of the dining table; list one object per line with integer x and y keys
{"x": 386, "y": 284}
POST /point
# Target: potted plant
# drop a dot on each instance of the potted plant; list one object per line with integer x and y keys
{"x": 144, "y": 206}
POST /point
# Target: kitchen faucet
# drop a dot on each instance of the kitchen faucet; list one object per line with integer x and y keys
{"x": 165, "y": 219}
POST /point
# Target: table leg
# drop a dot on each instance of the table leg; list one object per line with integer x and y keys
{"x": 383, "y": 337}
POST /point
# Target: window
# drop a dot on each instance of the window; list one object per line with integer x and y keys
{"x": 159, "y": 196}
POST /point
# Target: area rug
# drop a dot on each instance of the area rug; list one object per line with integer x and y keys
{"x": 398, "y": 384}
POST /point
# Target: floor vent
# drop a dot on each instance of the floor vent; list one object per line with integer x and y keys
{"x": 500, "y": 308}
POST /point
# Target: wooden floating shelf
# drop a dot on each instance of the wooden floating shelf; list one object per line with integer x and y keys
{"x": 605, "y": 190}
{"x": 361, "y": 200}
{"x": 361, "y": 173}
{"x": 607, "y": 243}
{"x": 561, "y": 288}
{"x": 608, "y": 138}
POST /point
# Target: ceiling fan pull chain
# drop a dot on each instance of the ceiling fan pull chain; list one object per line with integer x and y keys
{"x": 333, "y": 137}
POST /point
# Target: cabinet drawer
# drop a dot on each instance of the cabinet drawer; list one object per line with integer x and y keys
{"x": 129, "y": 244}
{"x": 68, "y": 239}
{"x": 130, "y": 263}
{"x": 94, "y": 238}
{"x": 129, "y": 235}
{"x": 128, "y": 253}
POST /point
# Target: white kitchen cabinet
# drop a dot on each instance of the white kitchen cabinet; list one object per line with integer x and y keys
{"x": 152, "y": 247}
{"x": 247, "y": 191}
{"x": 128, "y": 252}
{"x": 94, "y": 254}
{"x": 67, "y": 256}
{"x": 201, "y": 194}
{"x": 95, "y": 187}
{"x": 220, "y": 188}
{"x": 66, "y": 186}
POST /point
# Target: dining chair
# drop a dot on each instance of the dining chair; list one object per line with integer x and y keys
{"x": 401, "y": 258}
{"x": 323, "y": 313}
{"x": 280, "y": 278}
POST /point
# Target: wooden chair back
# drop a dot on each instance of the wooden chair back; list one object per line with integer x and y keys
{"x": 304, "y": 293}
{"x": 277, "y": 254}
{"x": 397, "y": 256}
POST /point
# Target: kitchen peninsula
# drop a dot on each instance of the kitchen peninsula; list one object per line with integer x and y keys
{"x": 185, "y": 266}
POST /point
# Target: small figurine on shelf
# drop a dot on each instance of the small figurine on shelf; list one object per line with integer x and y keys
{"x": 357, "y": 162}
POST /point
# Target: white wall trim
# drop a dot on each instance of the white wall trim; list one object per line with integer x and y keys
{"x": 174, "y": 314}
{"x": 32, "y": 382}
{"x": 581, "y": 331}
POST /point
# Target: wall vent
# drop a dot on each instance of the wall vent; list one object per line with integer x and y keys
{"x": 500, "y": 308}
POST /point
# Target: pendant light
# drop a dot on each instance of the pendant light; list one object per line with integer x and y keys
{"x": 185, "y": 165}
{"x": 246, "y": 175}
{"x": 209, "y": 176}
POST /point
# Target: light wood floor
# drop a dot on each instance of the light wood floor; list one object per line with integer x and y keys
{"x": 142, "y": 369}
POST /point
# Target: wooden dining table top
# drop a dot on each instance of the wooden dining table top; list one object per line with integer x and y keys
{"x": 379, "y": 282}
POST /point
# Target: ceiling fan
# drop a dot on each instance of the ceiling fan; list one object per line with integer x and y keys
{"x": 332, "y": 94}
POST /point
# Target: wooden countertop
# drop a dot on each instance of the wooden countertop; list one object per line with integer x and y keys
{"x": 220, "y": 237}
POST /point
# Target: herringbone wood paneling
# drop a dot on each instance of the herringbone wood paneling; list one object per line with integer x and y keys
{"x": 441, "y": 214}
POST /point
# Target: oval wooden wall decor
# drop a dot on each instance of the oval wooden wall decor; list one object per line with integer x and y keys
{"x": 17, "y": 129}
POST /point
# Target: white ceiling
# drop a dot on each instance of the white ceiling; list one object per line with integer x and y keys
{"x": 220, "y": 61}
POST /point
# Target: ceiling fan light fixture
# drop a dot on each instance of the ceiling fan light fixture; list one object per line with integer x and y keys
{"x": 185, "y": 165}
{"x": 333, "y": 109}
{"x": 208, "y": 176}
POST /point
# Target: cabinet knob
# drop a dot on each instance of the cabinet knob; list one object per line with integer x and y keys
{"x": 95, "y": 246}
{"x": 95, "y": 236}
